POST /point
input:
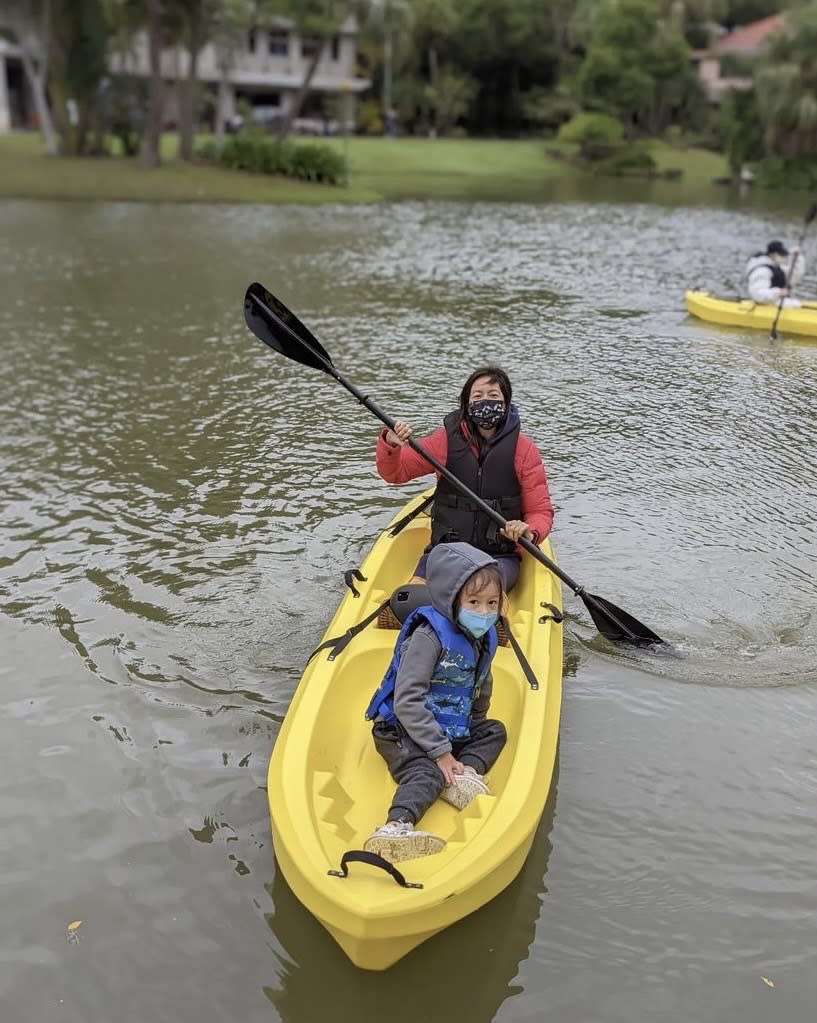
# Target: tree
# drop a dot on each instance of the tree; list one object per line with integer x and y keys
{"x": 786, "y": 86}
{"x": 741, "y": 128}
{"x": 318, "y": 21}
{"x": 636, "y": 67}
{"x": 231, "y": 22}
{"x": 388, "y": 18}
{"x": 741, "y": 12}
{"x": 79, "y": 45}
{"x": 151, "y": 140}
{"x": 30, "y": 23}
{"x": 196, "y": 22}
{"x": 436, "y": 24}
{"x": 509, "y": 47}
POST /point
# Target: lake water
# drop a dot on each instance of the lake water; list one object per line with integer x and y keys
{"x": 178, "y": 505}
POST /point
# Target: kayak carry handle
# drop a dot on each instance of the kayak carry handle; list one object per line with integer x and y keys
{"x": 361, "y": 856}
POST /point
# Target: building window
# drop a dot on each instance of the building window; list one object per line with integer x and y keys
{"x": 335, "y": 47}
{"x": 251, "y": 40}
{"x": 310, "y": 45}
{"x": 278, "y": 43}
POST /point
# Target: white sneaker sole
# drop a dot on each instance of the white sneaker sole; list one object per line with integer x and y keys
{"x": 396, "y": 848}
{"x": 464, "y": 790}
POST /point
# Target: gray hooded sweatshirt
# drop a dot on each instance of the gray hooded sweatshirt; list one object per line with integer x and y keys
{"x": 449, "y": 566}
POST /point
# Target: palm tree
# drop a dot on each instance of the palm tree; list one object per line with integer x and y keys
{"x": 786, "y": 86}
{"x": 388, "y": 18}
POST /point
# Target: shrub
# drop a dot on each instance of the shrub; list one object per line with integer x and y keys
{"x": 207, "y": 151}
{"x": 793, "y": 172}
{"x": 629, "y": 162}
{"x": 597, "y": 135}
{"x": 313, "y": 161}
{"x": 254, "y": 151}
{"x": 370, "y": 118}
{"x": 548, "y": 110}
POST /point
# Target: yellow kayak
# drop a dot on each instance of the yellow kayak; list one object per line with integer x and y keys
{"x": 752, "y": 315}
{"x": 328, "y": 788}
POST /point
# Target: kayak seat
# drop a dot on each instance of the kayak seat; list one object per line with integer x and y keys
{"x": 406, "y": 599}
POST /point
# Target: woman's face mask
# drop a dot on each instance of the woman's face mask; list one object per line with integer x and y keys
{"x": 486, "y": 413}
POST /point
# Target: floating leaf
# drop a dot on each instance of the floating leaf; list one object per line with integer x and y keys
{"x": 767, "y": 982}
{"x": 75, "y": 923}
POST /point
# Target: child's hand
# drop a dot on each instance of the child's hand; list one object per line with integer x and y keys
{"x": 450, "y": 767}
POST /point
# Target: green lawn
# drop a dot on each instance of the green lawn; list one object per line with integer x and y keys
{"x": 698, "y": 165}
{"x": 380, "y": 169}
{"x": 27, "y": 173}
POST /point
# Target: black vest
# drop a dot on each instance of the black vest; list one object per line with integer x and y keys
{"x": 778, "y": 273}
{"x": 492, "y": 477}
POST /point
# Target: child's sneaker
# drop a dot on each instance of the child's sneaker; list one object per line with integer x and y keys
{"x": 397, "y": 840}
{"x": 465, "y": 787}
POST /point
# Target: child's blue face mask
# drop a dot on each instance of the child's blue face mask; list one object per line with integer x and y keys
{"x": 475, "y": 623}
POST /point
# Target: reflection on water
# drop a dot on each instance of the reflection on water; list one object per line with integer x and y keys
{"x": 178, "y": 506}
{"x": 466, "y": 971}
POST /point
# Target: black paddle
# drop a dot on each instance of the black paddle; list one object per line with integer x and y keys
{"x": 271, "y": 322}
{"x": 810, "y": 215}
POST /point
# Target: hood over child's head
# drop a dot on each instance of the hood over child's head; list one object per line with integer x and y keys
{"x": 450, "y": 566}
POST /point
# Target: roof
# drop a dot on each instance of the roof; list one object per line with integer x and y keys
{"x": 748, "y": 39}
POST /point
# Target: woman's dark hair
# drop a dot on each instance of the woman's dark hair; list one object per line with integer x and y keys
{"x": 495, "y": 376}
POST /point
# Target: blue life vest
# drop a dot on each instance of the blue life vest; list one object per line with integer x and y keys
{"x": 458, "y": 674}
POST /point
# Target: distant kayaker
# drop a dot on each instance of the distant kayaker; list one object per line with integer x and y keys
{"x": 481, "y": 444}
{"x": 430, "y": 712}
{"x": 770, "y": 274}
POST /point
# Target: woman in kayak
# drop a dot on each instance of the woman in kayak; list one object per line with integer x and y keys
{"x": 481, "y": 444}
{"x": 430, "y": 712}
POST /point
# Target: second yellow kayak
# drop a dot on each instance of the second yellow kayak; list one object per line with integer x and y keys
{"x": 752, "y": 315}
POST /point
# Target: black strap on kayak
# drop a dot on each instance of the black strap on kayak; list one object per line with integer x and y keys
{"x": 361, "y": 856}
{"x": 402, "y": 523}
{"x": 350, "y": 575}
{"x": 520, "y": 656}
{"x": 339, "y": 643}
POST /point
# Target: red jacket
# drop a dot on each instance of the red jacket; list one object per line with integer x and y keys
{"x": 401, "y": 464}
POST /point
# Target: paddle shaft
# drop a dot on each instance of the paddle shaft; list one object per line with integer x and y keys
{"x": 613, "y": 622}
{"x": 800, "y": 240}
{"x": 385, "y": 418}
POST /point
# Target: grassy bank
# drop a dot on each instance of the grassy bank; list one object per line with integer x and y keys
{"x": 27, "y": 173}
{"x": 380, "y": 169}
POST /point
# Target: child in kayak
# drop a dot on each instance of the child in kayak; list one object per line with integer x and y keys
{"x": 430, "y": 712}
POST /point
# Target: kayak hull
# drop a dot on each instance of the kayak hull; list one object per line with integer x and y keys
{"x": 328, "y": 788}
{"x": 751, "y": 315}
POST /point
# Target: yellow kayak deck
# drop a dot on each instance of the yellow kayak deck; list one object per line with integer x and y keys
{"x": 328, "y": 788}
{"x": 752, "y": 315}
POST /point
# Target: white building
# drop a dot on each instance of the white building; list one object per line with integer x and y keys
{"x": 16, "y": 109}
{"x": 264, "y": 67}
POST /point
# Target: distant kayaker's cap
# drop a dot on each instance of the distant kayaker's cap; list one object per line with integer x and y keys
{"x": 776, "y": 247}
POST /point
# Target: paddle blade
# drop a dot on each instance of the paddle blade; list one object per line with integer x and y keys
{"x": 616, "y": 625}
{"x": 271, "y": 322}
